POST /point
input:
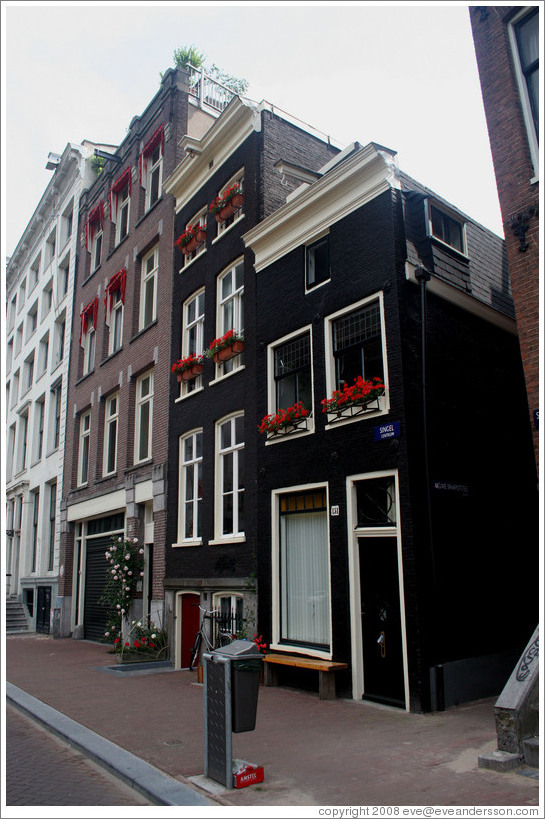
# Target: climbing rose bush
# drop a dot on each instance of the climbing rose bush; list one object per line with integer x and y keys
{"x": 125, "y": 567}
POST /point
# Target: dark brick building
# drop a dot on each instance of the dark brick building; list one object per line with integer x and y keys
{"x": 506, "y": 42}
{"x": 116, "y": 437}
{"x": 212, "y": 515}
{"x": 386, "y": 530}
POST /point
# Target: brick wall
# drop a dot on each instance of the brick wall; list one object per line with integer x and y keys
{"x": 518, "y": 195}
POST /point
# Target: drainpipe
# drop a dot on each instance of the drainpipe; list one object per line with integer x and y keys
{"x": 423, "y": 276}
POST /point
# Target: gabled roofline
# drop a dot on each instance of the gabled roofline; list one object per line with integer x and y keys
{"x": 351, "y": 181}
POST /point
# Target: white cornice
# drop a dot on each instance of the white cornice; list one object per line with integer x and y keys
{"x": 347, "y": 186}
{"x": 464, "y": 301}
{"x": 206, "y": 155}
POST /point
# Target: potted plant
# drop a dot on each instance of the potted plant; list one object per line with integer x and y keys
{"x": 191, "y": 239}
{"x": 284, "y": 420}
{"x": 189, "y": 367}
{"x": 227, "y": 346}
{"x": 227, "y": 203}
{"x": 359, "y": 395}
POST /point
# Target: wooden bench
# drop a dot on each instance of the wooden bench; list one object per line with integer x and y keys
{"x": 325, "y": 668}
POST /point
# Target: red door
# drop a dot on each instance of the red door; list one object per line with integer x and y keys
{"x": 190, "y": 625}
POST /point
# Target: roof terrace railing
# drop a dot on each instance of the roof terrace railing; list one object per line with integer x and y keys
{"x": 208, "y": 91}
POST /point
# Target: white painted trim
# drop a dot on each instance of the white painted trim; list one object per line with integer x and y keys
{"x": 275, "y": 571}
{"x": 96, "y": 507}
{"x": 384, "y": 402}
{"x": 345, "y": 188}
{"x": 235, "y": 124}
{"x": 271, "y": 403}
{"x": 463, "y": 300}
{"x": 353, "y": 535}
{"x": 523, "y": 90}
{"x": 143, "y": 491}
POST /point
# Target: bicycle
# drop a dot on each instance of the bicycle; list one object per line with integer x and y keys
{"x": 223, "y": 637}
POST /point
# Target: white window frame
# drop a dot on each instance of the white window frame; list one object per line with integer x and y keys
{"x": 47, "y": 298}
{"x": 141, "y": 401}
{"x": 39, "y": 421}
{"x": 276, "y": 569}
{"x": 32, "y": 321}
{"x": 236, "y": 298}
{"x": 149, "y": 275}
{"x": 84, "y": 448}
{"x": 196, "y": 463}
{"x": 60, "y": 332}
{"x": 22, "y": 450}
{"x": 308, "y": 427}
{"x": 223, "y": 227}
{"x": 309, "y": 248}
{"x": 384, "y": 400}
{"x": 115, "y": 341}
{"x": 123, "y": 208}
{"x": 111, "y": 421}
{"x": 29, "y": 373}
{"x": 235, "y": 536}
{"x": 97, "y": 248}
{"x": 200, "y": 218}
{"x": 193, "y": 337}
{"x": 232, "y": 599}
{"x": 454, "y": 217}
{"x": 523, "y": 90}
{"x": 89, "y": 347}
{"x": 154, "y": 167}
{"x": 55, "y": 412}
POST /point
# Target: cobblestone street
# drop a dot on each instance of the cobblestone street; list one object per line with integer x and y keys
{"x": 42, "y": 770}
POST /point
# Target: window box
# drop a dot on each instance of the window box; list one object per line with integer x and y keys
{"x": 361, "y": 398}
{"x": 229, "y": 352}
{"x": 285, "y": 421}
{"x": 188, "y": 368}
{"x": 228, "y": 346}
{"x": 231, "y": 208}
{"x": 188, "y": 375}
{"x": 191, "y": 239}
{"x": 227, "y": 203}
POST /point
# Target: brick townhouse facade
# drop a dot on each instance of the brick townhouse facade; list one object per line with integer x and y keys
{"x": 39, "y": 295}
{"x": 506, "y": 40}
{"x": 212, "y": 533}
{"x": 379, "y": 543}
{"x": 117, "y": 421}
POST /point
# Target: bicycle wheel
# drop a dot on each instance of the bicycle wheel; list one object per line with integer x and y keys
{"x": 195, "y": 651}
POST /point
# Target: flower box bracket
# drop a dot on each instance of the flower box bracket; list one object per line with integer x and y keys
{"x": 229, "y": 352}
{"x": 354, "y": 410}
{"x": 190, "y": 374}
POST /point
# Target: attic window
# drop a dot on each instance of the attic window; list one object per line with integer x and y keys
{"x": 446, "y": 228}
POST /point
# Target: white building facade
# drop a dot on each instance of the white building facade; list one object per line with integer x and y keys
{"x": 39, "y": 299}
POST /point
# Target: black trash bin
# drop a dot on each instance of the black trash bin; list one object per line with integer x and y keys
{"x": 245, "y": 662}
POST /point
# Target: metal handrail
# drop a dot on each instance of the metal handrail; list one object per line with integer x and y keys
{"x": 207, "y": 90}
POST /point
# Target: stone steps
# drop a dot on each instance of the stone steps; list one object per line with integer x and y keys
{"x": 16, "y": 617}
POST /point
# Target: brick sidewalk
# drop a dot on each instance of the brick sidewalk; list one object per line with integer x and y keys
{"x": 315, "y": 752}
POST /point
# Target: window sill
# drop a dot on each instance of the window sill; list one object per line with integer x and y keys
{"x": 143, "y": 330}
{"x": 220, "y": 377}
{"x": 116, "y": 247}
{"x": 191, "y": 261}
{"x": 310, "y": 652}
{"x": 299, "y": 429}
{"x": 373, "y": 409}
{"x": 146, "y": 462}
{"x": 91, "y": 274}
{"x": 147, "y": 213}
{"x": 227, "y": 229}
{"x": 185, "y": 543}
{"x": 84, "y": 376}
{"x": 224, "y": 541}
{"x": 189, "y": 394}
{"x": 110, "y": 356}
{"x": 459, "y": 254}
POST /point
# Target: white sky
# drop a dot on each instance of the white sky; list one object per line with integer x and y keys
{"x": 401, "y": 74}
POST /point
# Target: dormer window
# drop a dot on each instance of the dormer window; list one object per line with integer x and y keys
{"x": 446, "y": 227}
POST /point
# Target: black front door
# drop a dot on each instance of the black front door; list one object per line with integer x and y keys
{"x": 383, "y": 679}
{"x": 95, "y": 614}
{"x": 43, "y": 609}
